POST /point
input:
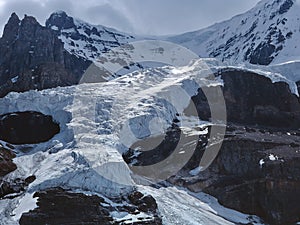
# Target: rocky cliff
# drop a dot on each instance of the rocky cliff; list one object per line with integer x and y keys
{"x": 33, "y": 57}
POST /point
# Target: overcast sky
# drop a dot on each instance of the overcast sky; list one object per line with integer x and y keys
{"x": 152, "y": 17}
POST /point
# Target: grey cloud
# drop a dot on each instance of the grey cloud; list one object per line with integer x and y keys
{"x": 108, "y": 15}
{"x": 155, "y": 17}
{"x": 177, "y": 16}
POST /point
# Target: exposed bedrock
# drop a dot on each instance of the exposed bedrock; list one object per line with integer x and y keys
{"x": 254, "y": 100}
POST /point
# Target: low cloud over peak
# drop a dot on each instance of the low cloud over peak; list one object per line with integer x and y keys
{"x": 154, "y": 17}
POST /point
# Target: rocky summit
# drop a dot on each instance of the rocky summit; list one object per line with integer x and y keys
{"x": 32, "y": 57}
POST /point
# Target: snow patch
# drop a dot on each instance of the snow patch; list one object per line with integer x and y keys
{"x": 127, "y": 218}
{"x": 54, "y": 28}
{"x": 15, "y": 79}
{"x": 273, "y": 157}
{"x": 261, "y": 163}
{"x": 196, "y": 171}
{"x": 26, "y": 203}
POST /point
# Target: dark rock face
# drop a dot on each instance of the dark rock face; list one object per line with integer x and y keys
{"x": 257, "y": 171}
{"x": 286, "y": 5}
{"x": 156, "y": 155}
{"x": 254, "y": 100}
{"x": 58, "y": 206}
{"x": 236, "y": 178}
{"x": 16, "y": 186}
{"x": 263, "y": 54}
{"x": 6, "y": 163}
{"x": 32, "y": 57}
{"x": 27, "y": 128}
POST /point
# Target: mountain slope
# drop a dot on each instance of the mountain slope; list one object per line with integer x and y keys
{"x": 37, "y": 57}
{"x": 33, "y": 56}
{"x": 83, "y": 39}
{"x": 268, "y": 33}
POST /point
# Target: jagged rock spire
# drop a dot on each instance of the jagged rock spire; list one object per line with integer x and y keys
{"x": 12, "y": 26}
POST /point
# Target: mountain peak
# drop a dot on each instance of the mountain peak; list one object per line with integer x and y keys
{"x": 29, "y": 20}
{"x": 83, "y": 39}
{"x": 11, "y": 28}
{"x": 60, "y": 20}
{"x": 13, "y": 17}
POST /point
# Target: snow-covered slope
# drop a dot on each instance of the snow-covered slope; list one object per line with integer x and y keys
{"x": 83, "y": 39}
{"x": 97, "y": 123}
{"x": 268, "y": 33}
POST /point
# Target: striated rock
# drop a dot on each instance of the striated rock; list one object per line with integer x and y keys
{"x": 263, "y": 54}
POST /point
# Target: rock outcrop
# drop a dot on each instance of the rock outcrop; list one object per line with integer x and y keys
{"x": 253, "y": 99}
{"x": 59, "y": 206}
{"x": 15, "y": 186}
{"x": 256, "y": 172}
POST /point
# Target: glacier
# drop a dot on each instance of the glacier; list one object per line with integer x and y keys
{"x": 99, "y": 121}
